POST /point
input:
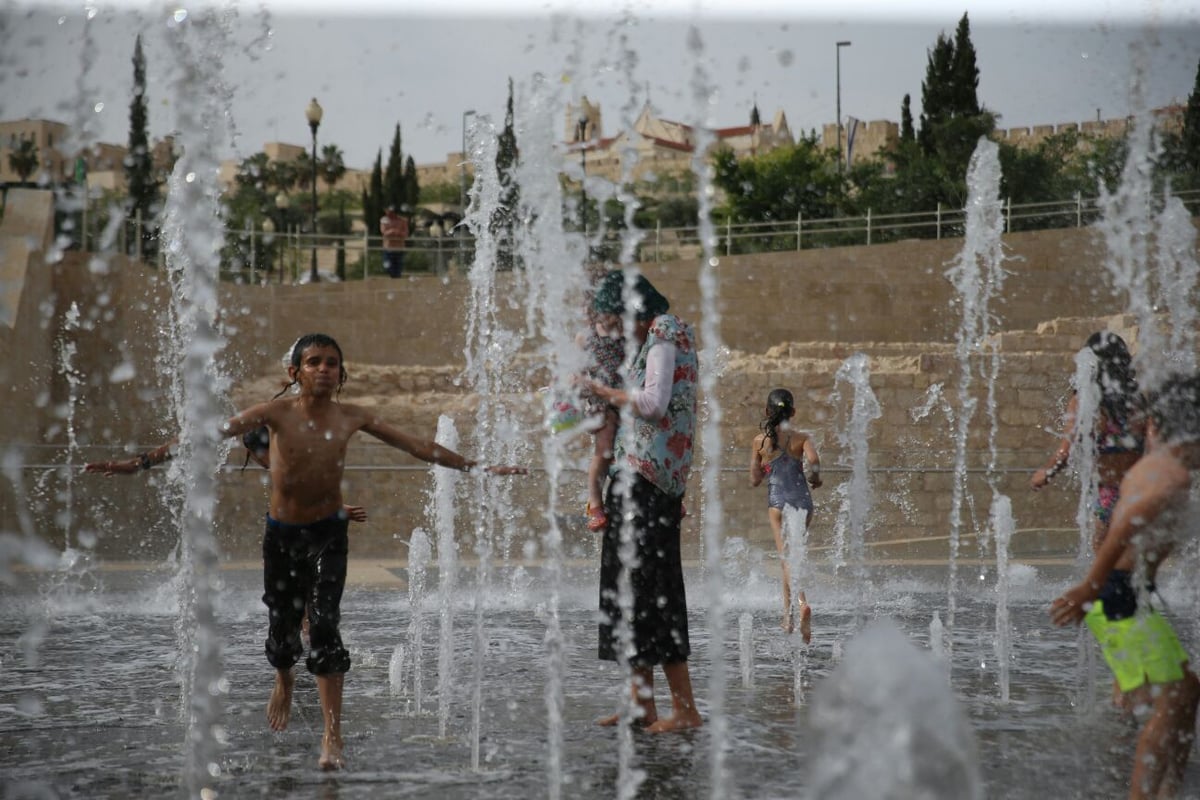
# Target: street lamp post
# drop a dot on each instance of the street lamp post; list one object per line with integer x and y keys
{"x": 313, "y": 113}
{"x": 462, "y": 188}
{"x": 581, "y": 136}
{"x": 838, "y": 50}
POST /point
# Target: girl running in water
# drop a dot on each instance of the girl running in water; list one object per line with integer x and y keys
{"x": 780, "y": 454}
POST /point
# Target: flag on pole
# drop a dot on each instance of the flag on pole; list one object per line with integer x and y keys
{"x": 851, "y": 128}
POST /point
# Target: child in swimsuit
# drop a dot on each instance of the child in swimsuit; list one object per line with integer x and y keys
{"x": 1119, "y": 433}
{"x": 780, "y": 454}
{"x": 1148, "y": 662}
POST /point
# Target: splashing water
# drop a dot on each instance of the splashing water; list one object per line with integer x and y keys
{"x": 704, "y": 95}
{"x": 193, "y": 234}
{"x": 1002, "y": 531}
{"x": 890, "y": 727}
{"x": 419, "y": 552}
{"x": 746, "y": 648}
{"x": 795, "y": 545}
{"x": 440, "y": 510}
{"x": 976, "y": 274}
{"x": 857, "y": 496}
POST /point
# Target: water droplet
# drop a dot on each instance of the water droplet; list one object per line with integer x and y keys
{"x": 180, "y": 15}
{"x": 99, "y": 107}
{"x": 190, "y": 177}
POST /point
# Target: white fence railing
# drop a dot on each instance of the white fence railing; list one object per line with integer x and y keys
{"x": 287, "y": 256}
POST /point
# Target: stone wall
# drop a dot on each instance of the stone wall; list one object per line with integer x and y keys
{"x": 789, "y": 319}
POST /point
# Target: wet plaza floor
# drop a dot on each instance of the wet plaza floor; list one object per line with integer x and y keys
{"x": 90, "y": 697}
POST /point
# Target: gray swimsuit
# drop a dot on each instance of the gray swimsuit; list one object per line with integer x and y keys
{"x": 786, "y": 485}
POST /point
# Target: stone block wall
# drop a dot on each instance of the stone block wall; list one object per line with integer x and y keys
{"x": 788, "y": 319}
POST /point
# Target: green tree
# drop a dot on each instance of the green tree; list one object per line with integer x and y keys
{"x": 393, "y": 176}
{"x": 935, "y": 90}
{"x": 412, "y": 185}
{"x": 952, "y": 122}
{"x": 23, "y": 159}
{"x": 503, "y": 221}
{"x": 332, "y": 167}
{"x": 964, "y": 73}
{"x": 907, "y": 133}
{"x": 139, "y": 163}
{"x": 1190, "y": 135}
{"x": 373, "y": 202}
{"x": 779, "y": 185}
{"x": 446, "y": 192}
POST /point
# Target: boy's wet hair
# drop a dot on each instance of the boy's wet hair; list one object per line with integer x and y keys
{"x": 1175, "y": 408}
{"x": 315, "y": 340}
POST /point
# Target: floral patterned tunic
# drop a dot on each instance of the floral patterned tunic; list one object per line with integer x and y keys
{"x": 661, "y": 449}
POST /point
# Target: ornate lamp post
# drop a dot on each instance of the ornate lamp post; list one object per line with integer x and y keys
{"x": 313, "y": 113}
{"x": 838, "y": 50}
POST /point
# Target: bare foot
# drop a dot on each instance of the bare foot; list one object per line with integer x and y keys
{"x": 279, "y": 707}
{"x": 332, "y": 757}
{"x": 644, "y": 721}
{"x": 806, "y": 622}
{"x": 676, "y": 722}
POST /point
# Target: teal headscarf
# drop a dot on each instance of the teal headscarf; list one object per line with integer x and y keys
{"x": 647, "y": 301}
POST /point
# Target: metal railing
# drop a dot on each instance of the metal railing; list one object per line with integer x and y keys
{"x": 262, "y": 257}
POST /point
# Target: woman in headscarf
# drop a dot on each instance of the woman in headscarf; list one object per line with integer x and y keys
{"x": 655, "y": 458}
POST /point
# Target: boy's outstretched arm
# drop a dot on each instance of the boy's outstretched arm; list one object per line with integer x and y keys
{"x": 128, "y": 466}
{"x": 430, "y": 451}
{"x": 236, "y": 425}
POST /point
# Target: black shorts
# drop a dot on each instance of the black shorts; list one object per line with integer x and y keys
{"x": 304, "y": 567}
{"x": 660, "y": 623}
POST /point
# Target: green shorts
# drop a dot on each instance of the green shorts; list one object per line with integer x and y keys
{"x": 1139, "y": 649}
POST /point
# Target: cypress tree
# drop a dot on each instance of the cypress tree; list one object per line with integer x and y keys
{"x": 936, "y": 91}
{"x": 906, "y": 121}
{"x": 964, "y": 73}
{"x": 1191, "y": 126}
{"x": 139, "y": 163}
{"x": 393, "y": 177}
{"x": 504, "y": 217}
{"x": 412, "y": 184}
{"x": 374, "y": 210}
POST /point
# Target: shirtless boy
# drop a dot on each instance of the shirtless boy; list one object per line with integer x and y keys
{"x": 305, "y": 546}
{"x": 1139, "y": 644}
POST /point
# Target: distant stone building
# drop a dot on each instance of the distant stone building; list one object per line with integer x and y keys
{"x": 659, "y": 146}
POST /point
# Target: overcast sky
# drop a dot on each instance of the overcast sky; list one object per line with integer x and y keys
{"x": 372, "y": 67}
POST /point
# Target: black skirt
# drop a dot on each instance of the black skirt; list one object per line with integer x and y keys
{"x": 660, "y": 623}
